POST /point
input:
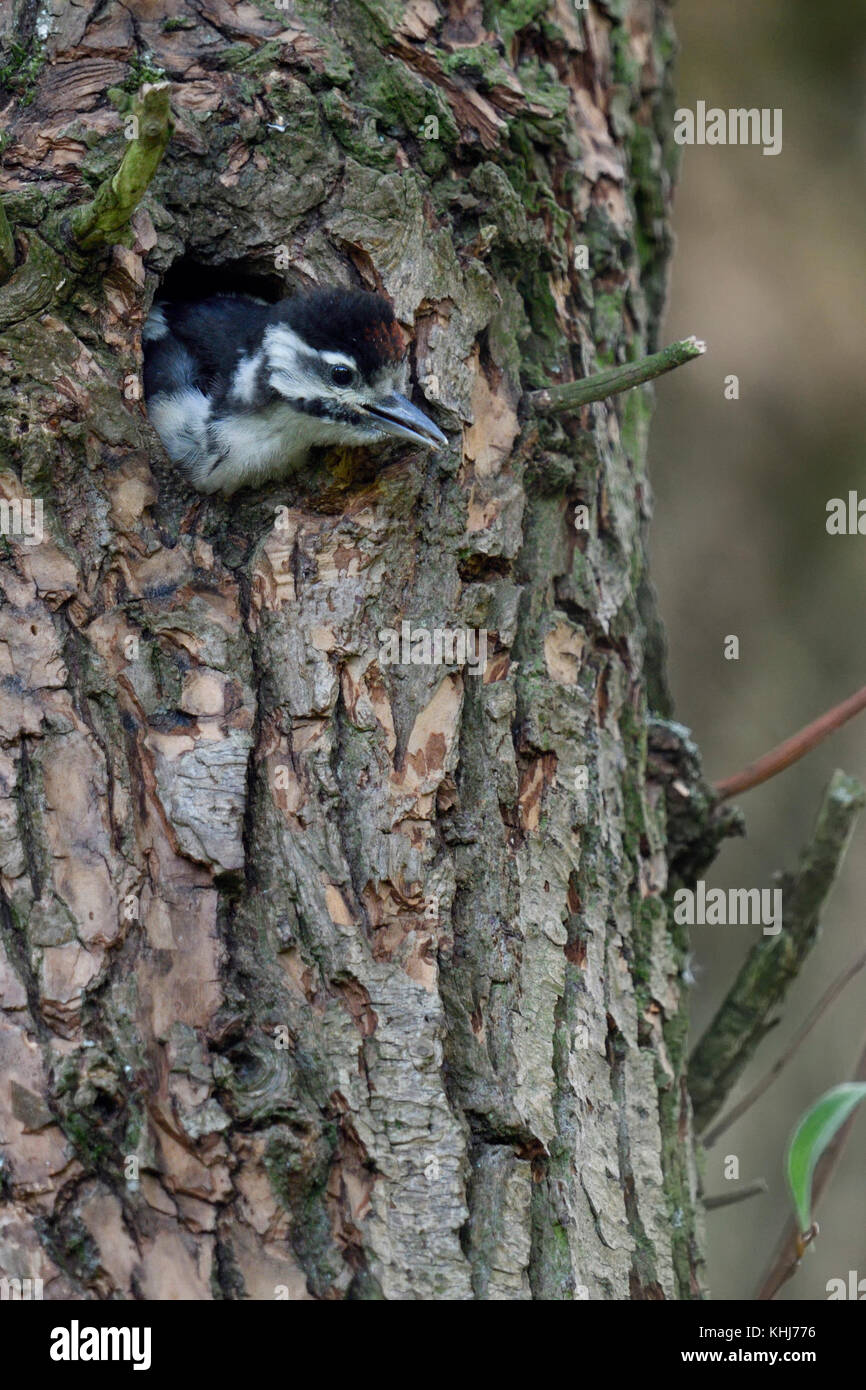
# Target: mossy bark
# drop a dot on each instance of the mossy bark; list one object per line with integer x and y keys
{"x": 323, "y": 977}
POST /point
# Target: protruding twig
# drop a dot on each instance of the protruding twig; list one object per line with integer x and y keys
{"x": 571, "y": 395}
{"x": 773, "y": 964}
{"x": 101, "y": 222}
{"x": 739, "y": 1194}
{"x": 827, "y": 998}
{"x": 7, "y": 247}
{"x": 794, "y": 748}
{"x": 787, "y": 1260}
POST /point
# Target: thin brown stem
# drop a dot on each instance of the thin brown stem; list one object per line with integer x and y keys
{"x": 793, "y": 749}
{"x": 741, "y": 1194}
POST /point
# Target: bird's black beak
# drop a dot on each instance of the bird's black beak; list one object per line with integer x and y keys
{"x": 395, "y": 415}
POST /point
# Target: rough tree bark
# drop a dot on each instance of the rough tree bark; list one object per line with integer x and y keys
{"x": 323, "y": 977}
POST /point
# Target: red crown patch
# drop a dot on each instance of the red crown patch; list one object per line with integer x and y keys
{"x": 386, "y": 339}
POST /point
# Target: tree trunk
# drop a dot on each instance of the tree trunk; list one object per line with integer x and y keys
{"x": 326, "y": 974}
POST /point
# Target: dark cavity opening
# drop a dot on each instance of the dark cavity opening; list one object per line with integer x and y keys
{"x": 189, "y": 279}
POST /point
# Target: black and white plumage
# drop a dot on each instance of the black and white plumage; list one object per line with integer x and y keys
{"x": 239, "y": 391}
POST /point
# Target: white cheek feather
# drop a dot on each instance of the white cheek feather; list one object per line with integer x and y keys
{"x": 284, "y": 342}
{"x": 244, "y": 379}
{"x": 285, "y": 353}
{"x": 292, "y": 365}
{"x": 155, "y": 326}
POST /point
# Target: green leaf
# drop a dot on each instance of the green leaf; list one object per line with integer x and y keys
{"x": 813, "y": 1133}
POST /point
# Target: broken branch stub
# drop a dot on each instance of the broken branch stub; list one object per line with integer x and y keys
{"x": 101, "y": 222}
{"x": 572, "y": 395}
{"x": 772, "y": 965}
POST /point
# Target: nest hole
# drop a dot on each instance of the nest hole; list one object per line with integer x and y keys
{"x": 191, "y": 279}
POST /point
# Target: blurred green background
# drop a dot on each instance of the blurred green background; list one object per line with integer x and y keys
{"x": 769, "y": 269}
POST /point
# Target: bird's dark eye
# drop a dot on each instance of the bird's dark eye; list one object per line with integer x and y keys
{"x": 341, "y": 376}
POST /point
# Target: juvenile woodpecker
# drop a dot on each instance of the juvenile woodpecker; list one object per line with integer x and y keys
{"x": 239, "y": 391}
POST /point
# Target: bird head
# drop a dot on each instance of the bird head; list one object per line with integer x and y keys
{"x": 338, "y": 357}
